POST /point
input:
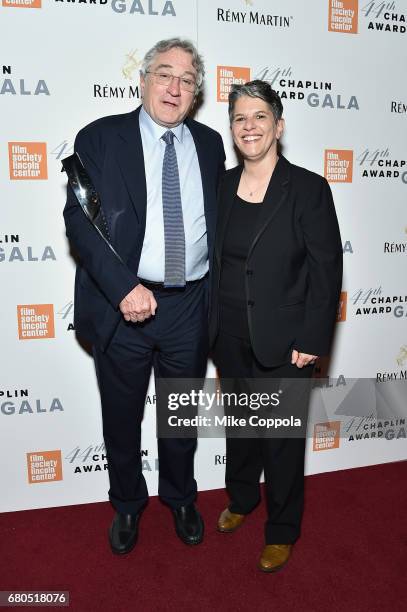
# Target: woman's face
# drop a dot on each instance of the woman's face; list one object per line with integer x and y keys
{"x": 254, "y": 130}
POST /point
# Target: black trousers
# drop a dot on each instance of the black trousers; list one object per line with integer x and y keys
{"x": 282, "y": 459}
{"x": 175, "y": 344}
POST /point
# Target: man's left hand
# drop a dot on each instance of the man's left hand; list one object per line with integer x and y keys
{"x": 302, "y": 359}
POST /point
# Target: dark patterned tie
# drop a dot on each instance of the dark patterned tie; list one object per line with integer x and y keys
{"x": 174, "y": 235}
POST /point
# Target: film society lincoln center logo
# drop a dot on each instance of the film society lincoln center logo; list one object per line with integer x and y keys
{"x": 326, "y": 435}
{"x": 27, "y": 161}
{"x": 342, "y": 306}
{"x": 44, "y": 466}
{"x": 338, "y": 165}
{"x": 228, "y": 76}
{"x": 343, "y": 16}
{"x": 35, "y": 321}
{"x": 22, "y": 3}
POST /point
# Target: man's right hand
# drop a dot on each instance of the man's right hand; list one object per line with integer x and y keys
{"x": 138, "y": 305}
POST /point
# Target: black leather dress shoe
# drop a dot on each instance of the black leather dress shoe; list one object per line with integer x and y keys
{"x": 188, "y": 524}
{"x": 123, "y": 533}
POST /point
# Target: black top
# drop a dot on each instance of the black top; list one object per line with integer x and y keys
{"x": 232, "y": 291}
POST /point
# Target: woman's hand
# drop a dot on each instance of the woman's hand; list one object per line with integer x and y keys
{"x": 302, "y": 359}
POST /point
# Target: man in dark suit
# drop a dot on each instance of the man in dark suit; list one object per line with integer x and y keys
{"x": 156, "y": 172}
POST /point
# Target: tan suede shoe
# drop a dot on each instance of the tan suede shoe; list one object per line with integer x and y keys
{"x": 229, "y": 521}
{"x": 274, "y": 557}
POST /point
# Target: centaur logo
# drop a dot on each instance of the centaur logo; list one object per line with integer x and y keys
{"x": 131, "y": 64}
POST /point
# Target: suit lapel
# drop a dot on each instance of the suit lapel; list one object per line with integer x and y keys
{"x": 273, "y": 200}
{"x": 130, "y": 160}
{"x": 204, "y": 166}
{"x": 226, "y": 199}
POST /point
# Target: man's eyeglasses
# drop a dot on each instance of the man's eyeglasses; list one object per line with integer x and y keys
{"x": 165, "y": 78}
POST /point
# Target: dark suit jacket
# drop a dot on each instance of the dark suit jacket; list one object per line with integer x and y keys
{"x": 294, "y": 266}
{"x": 111, "y": 151}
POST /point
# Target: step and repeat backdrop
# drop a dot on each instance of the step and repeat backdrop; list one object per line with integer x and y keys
{"x": 337, "y": 65}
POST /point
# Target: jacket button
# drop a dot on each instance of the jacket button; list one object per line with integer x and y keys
{"x": 249, "y": 272}
{"x": 250, "y": 303}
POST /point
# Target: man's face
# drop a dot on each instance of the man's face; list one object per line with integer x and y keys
{"x": 168, "y": 105}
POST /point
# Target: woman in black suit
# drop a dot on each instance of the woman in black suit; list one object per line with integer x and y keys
{"x": 275, "y": 289}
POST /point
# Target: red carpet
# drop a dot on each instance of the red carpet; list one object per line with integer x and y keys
{"x": 352, "y": 555}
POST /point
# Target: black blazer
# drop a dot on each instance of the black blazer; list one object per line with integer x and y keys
{"x": 111, "y": 151}
{"x": 294, "y": 266}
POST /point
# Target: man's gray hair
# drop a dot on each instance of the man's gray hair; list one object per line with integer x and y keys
{"x": 176, "y": 43}
{"x": 256, "y": 89}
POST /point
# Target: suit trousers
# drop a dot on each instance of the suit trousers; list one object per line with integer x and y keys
{"x": 282, "y": 459}
{"x": 175, "y": 344}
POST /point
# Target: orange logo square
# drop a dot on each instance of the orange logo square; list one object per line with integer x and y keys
{"x": 343, "y": 16}
{"x": 44, "y": 466}
{"x": 22, "y": 3}
{"x": 228, "y": 76}
{"x": 27, "y": 161}
{"x": 326, "y": 435}
{"x": 342, "y": 306}
{"x": 338, "y": 166}
{"x": 35, "y": 321}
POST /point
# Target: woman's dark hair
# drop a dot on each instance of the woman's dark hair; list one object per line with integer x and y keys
{"x": 256, "y": 89}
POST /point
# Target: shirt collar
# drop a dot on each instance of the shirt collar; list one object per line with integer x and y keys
{"x": 156, "y": 131}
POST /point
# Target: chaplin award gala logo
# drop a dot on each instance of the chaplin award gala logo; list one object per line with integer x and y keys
{"x": 384, "y": 17}
{"x": 35, "y": 321}
{"x": 27, "y": 161}
{"x": 12, "y": 86}
{"x": 14, "y": 249}
{"x": 20, "y": 402}
{"x": 343, "y": 16}
{"x": 338, "y": 166}
{"x": 44, "y": 466}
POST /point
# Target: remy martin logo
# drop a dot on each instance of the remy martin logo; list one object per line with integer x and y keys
{"x": 131, "y": 64}
{"x": 396, "y": 247}
{"x": 120, "y": 90}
